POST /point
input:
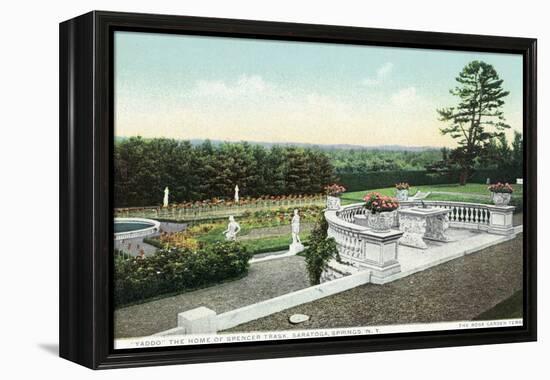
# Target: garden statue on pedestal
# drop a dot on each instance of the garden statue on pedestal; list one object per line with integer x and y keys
{"x": 296, "y": 245}
{"x": 232, "y": 230}
{"x": 236, "y": 194}
{"x": 166, "y": 194}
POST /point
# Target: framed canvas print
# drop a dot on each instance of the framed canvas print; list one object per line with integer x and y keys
{"x": 237, "y": 189}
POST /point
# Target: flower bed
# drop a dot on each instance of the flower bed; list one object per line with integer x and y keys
{"x": 221, "y": 202}
{"x": 203, "y": 233}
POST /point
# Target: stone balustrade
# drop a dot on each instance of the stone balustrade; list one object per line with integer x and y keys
{"x": 461, "y": 214}
{"x": 363, "y": 248}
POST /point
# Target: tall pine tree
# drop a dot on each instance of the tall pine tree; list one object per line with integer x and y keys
{"x": 478, "y": 116}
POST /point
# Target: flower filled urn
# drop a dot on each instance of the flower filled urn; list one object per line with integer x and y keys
{"x": 333, "y": 203}
{"x": 382, "y": 211}
{"x": 501, "y": 194}
{"x": 501, "y": 199}
{"x": 402, "y": 191}
{"x": 333, "y": 196}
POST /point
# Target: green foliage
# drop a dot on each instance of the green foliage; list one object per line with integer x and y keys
{"x": 378, "y": 180}
{"x": 169, "y": 271}
{"x": 144, "y": 167}
{"x": 319, "y": 252}
{"x": 478, "y": 116}
{"x": 505, "y": 157}
{"x": 361, "y": 161}
{"x": 375, "y": 180}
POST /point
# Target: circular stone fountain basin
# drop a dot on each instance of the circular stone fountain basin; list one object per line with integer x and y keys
{"x": 129, "y": 228}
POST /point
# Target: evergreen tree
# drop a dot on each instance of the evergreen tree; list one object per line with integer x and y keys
{"x": 478, "y": 117}
{"x": 297, "y": 177}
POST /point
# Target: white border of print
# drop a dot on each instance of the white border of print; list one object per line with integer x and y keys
{"x": 201, "y": 339}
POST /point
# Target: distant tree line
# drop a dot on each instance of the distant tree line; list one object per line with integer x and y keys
{"x": 144, "y": 167}
{"x": 360, "y": 161}
{"x": 499, "y": 160}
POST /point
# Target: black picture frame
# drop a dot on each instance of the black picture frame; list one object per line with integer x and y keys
{"x": 86, "y": 145}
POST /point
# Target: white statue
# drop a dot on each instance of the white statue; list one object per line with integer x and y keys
{"x": 165, "y": 200}
{"x": 296, "y": 245}
{"x": 236, "y": 193}
{"x": 233, "y": 229}
{"x": 296, "y": 228}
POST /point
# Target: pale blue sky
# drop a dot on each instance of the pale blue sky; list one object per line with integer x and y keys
{"x": 244, "y": 89}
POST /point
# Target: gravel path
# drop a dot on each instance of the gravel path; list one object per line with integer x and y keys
{"x": 458, "y": 290}
{"x": 265, "y": 280}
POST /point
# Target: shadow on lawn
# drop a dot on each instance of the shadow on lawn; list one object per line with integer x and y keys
{"x": 510, "y": 308}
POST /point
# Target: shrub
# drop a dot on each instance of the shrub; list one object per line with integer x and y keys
{"x": 177, "y": 270}
{"x": 319, "y": 252}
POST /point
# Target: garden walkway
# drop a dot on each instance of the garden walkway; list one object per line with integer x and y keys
{"x": 265, "y": 280}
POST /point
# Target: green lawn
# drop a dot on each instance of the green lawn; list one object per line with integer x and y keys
{"x": 255, "y": 246}
{"x": 471, "y": 192}
{"x": 509, "y": 308}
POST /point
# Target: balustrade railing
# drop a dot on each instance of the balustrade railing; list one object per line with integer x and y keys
{"x": 461, "y": 214}
{"x": 363, "y": 247}
{"x": 349, "y": 240}
{"x": 360, "y": 246}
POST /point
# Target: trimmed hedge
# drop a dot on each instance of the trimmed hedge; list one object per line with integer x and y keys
{"x": 170, "y": 271}
{"x": 376, "y": 180}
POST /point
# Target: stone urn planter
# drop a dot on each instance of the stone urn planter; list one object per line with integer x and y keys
{"x": 501, "y": 199}
{"x": 333, "y": 203}
{"x": 402, "y": 195}
{"x": 381, "y": 221}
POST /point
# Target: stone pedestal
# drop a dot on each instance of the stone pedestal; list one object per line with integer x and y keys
{"x": 380, "y": 253}
{"x": 500, "y": 220}
{"x": 201, "y": 320}
{"x": 418, "y": 224}
{"x": 295, "y": 248}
